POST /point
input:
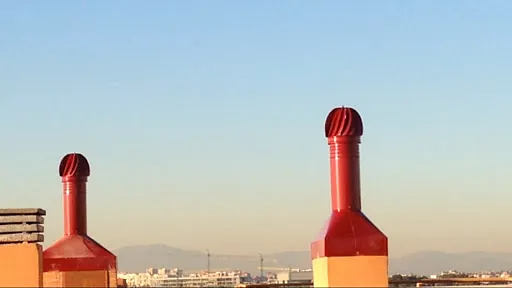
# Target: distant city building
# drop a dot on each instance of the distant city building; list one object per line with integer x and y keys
{"x": 176, "y": 278}
{"x": 136, "y": 279}
{"x": 165, "y": 271}
{"x": 295, "y": 276}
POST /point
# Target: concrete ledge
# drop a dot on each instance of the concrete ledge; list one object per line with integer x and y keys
{"x": 17, "y": 228}
{"x": 23, "y": 211}
{"x": 20, "y": 219}
{"x": 20, "y": 237}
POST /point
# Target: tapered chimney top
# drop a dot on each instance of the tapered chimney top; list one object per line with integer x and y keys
{"x": 74, "y": 164}
{"x": 343, "y": 121}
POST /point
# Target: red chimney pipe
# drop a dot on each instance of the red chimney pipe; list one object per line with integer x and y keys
{"x": 348, "y": 232}
{"x": 76, "y": 251}
{"x": 74, "y": 170}
{"x": 343, "y": 129}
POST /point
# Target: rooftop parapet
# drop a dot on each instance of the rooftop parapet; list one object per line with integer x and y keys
{"x": 21, "y": 225}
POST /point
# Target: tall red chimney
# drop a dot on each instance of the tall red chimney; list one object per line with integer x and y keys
{"x": 348, "y": 236}
{"x": 76, "y": 251}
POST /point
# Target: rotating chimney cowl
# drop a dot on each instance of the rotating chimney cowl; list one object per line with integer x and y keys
{"x": 76, "y": 251}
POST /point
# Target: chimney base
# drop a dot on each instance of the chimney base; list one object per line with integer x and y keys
{"x": 99, "y": 278}
{"x": 356, "y": 271}
{"x": 79, "y": 261}
{"x": 349, "y": 233}
{"x": 348, "y": 249}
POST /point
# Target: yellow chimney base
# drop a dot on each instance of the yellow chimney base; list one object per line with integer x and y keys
{"x": 353, "y": 271}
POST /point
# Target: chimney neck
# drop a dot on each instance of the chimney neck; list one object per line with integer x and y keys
{"x": 74, "y": 179}
{"x": 75, "y": 205}
{"x": 345, "y": 174}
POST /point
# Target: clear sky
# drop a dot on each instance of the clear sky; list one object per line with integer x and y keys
{"x": 203, "y": 120}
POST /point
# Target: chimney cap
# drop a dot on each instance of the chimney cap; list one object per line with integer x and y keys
{"x": 74, "y": 164}
{"x": 343, "y": 121}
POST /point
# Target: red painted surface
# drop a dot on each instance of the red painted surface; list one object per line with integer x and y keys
{"x": 76, "y": 251}
{"x": 347, "y": 232}
{"x": 343, "y": 129}
{"x": 345, "y": 178}
{"x": 74, "y": 170}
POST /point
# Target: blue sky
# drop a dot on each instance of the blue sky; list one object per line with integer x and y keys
{"x": 203, "y": 120}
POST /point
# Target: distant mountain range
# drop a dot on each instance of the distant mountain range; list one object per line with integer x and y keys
{"x": 139, "y": 258}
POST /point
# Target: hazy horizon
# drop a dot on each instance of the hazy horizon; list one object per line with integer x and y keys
{"x": 213, "y": 253}
{"x": 203, "y": 120}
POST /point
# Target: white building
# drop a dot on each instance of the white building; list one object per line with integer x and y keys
{"x": 175, "y": 278}
{"x": 137, "y": 279}
{"x": 216, "y": 279}
{"x": 295, "y": 276}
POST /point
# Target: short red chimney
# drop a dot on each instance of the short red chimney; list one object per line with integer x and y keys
{"x": 76, "y": 251}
